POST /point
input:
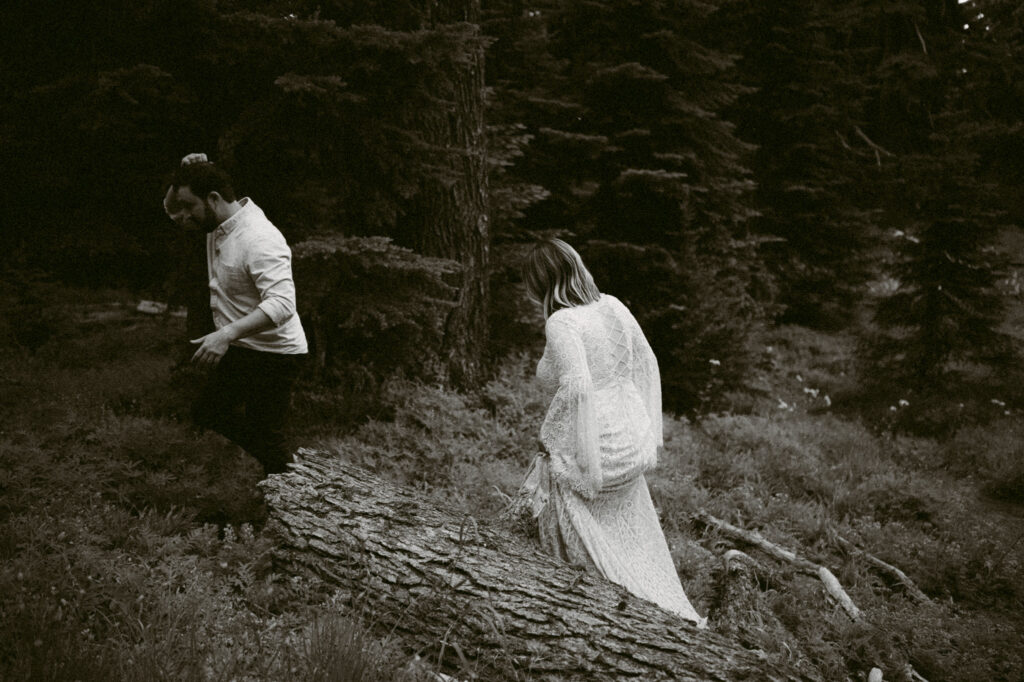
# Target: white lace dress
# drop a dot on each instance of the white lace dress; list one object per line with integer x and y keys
{"x": 601, "y": 432}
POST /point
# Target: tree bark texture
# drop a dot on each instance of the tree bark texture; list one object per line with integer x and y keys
{"x": 469, "y": 592}
{"x": 453, "y": 213}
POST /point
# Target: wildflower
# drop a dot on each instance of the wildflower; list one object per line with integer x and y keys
{"x": 892, "y": 408}
{"x": 716, "y": 363}
{"x": 903, "y": 403}
{"x": 799, "y": 378}
{"x": 1000, "y": 403}
{"x": 782, "y": 404}
{"x": 811, "y": 391}
{"x": 828, "y": 401}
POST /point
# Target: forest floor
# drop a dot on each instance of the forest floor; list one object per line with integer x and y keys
{"x": 131, "y": 546}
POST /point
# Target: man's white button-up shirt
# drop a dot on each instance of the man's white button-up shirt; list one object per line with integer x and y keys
{"x": 250, "y": 266}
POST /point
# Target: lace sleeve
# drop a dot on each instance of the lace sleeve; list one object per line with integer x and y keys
{"x": 646, "y": 376}
{"x": 570, "y": 430}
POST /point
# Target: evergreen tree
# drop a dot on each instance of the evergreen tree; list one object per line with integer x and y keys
{"x": 814, "y": 165}
{"x": 939, "y": 340}
{"x": 992, "y": 86}
{"x": 621, "y": 104}
{"x": 946, "y": 310}
{"x": 382, "y": 132}
{"x": 372, "y": 129}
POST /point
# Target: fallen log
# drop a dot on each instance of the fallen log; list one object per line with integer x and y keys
{"x": 482, "y": 601}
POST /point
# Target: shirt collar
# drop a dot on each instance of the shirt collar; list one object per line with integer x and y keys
{"x": 241, "y": 215}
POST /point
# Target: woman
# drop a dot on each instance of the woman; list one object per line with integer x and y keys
{"x": 601, "y": 433}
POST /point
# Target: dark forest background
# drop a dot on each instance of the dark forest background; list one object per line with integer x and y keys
{"x": 814, "y": 210}
{"x": 721, "y": 165}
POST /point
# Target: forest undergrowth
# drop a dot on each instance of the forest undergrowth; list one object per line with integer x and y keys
{"x": 132, "y": 547}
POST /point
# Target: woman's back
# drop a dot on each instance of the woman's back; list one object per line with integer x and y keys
{"x": 605, "y": 340}
{"x": 602, "y": 431}
{"x": 608, "y": 333}
{"x": 598, "y": 349}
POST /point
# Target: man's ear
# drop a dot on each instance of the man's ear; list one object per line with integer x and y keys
{"x": 214, "y": 198}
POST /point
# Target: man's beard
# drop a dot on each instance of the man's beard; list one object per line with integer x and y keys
{"x": 209, "y": 222}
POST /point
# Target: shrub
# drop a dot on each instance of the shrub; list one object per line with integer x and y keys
{"x": 994, "y": 454}
{"x": 516, "y": 323}
{"x": 371, "y": 303}
{"x": 31, "y": 314}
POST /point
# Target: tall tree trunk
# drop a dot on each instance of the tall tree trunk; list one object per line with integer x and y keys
{"x": 465, "y": 591}
{"x": 455, "y": 214}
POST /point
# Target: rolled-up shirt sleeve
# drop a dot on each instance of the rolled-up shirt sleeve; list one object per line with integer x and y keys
{"x": 271, "y": 271}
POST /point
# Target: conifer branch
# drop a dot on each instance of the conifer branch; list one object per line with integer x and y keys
{"x": 842, "y": 141}
{"x": 920, "y": 37}
{"x": 878, "y": 149}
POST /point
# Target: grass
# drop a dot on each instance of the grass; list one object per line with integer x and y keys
{"x": 802, "y": 476}
{"x": 131, "y": 546}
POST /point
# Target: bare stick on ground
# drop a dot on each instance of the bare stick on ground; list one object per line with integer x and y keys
{"x": 912, "y": 589}
{"x": 832, "y": 585}
{"x": 752, "y": 537}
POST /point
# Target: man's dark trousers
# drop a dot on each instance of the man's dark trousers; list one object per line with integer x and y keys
{"x": 246, "y": 399}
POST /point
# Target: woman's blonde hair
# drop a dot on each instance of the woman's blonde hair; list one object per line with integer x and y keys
{"x": 556, "y": 277}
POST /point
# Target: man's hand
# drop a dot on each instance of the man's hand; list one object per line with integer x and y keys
{"x": 194, "y": 158}
{"x": 212, "y": 348}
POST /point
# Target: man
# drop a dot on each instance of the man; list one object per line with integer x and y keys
{"x": 254, "y": 354}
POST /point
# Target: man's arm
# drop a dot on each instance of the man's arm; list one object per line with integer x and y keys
{"x": 271, "y": 272}
{"x": 213, "y": 346}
